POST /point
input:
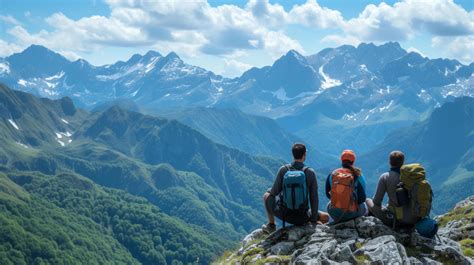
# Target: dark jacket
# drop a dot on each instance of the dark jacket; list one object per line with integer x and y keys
{"x": 311, "y": 183}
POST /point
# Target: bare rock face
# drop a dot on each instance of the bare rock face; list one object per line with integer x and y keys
{"x": 365, "y": 240}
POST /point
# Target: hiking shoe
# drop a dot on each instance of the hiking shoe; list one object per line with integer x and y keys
{"x": 269, "y": 228}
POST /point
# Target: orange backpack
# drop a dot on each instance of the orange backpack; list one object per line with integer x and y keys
{"x": 342, "y": 190}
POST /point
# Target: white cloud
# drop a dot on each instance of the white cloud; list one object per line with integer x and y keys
{"x": 195, "y": 27}
{"x": 413, "y": 49}
{"x": 309, "y": 14}
{"x": 313, "y": 15}
{"x": 9, "y": 19}
{"x": 71, "y": 56}
{"x": 278, "y": 44}
{"x": 379, "y": 23}
{"x": 184, "y": 43}
{"x": 443, "y": 20}
{"x": 272, "y": 15}
{"x": 461, "y": 47}
{"x": 96, "y": 30}
{"x": 224, "y": 29}
{"x": 234, "y": 67}
{"x": 9, "y": 48}
{"x": 341, "y": 40}
{"x": 405, "y": 19}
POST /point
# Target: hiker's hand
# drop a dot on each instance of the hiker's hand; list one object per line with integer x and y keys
{"x": 323, "y": 218}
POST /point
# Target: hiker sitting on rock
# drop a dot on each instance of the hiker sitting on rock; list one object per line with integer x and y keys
{"x": 398, "y": 214}
{"x": 295, "y": 186}
{"x": 345, "y": 187}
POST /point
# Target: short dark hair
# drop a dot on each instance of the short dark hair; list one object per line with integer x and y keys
{"x": 298, "y": 150}
{"x": 397, "y": 159}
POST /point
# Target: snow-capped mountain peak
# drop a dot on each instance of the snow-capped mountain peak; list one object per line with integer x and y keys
{"x": 368, "y": 75}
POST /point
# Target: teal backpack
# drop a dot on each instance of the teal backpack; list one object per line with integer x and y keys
{"x": 295, "y": 191}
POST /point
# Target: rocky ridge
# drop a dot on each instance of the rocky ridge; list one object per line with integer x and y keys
{"x": 365, "y": 240}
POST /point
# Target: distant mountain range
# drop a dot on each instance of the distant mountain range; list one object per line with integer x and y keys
{"x": 351, "y": 91}
{"x": 342, "y": 83}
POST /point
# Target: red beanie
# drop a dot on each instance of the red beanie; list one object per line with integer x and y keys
{"x": 348, "y": 155}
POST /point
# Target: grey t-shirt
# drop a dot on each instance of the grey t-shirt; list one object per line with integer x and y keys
{"x": 311, "y": 183}
{"x": 388, "y": 184}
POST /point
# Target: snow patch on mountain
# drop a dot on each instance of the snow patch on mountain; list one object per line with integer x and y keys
{"x": 363, "y": 68}
{"x": 384, "y": 108}
{"x": 63, "y": 138}
{"x": 13, "y": 124}
{"x": 366, "y": 114}
{"x": 4, "y": 68}
{"x": 60, "y": 135}
{"x": 108, "y": 77}
{"x": 60, "y": 142}
{"x": 462, "y": 87}
{"x": 350, "y": 117}
{"x": 175, "y": 69}
{"x": 135, "y": 93}
{"x": 22, "y": 145}
{"x": 125, "y": 71}
{"x": 65, "y": 121}
{"x": 303, "y": 97}
{"x": 49, "y": 84}
{"x": 151, "y": 65}
{"x": 65, "y": 85}
{"x": 280, "y": 94}
{"x": 384, "y": 91}
{"x": 328, "y": 82}
{"x": 173, "y": 65}
{"x": 55, "y": 77}
{"x": 424, "y": 95}
{"x": 22, "y": 82}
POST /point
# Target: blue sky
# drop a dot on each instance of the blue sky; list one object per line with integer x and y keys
{"x": 229, "y": 37}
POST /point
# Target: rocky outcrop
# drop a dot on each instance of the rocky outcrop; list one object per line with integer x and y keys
{"x": 458, "y": 225}
{"x": 365, "y": 240}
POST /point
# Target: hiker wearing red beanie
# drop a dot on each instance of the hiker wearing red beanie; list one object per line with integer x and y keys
{"x": 345, "y": 187}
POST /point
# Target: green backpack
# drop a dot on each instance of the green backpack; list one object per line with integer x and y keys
{"x": 418, "y": 188}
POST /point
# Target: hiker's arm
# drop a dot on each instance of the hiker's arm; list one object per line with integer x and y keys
{"x": 277, "y": 185}
{"x": 313, "y": 195}
{"x": 361, "y": 195}
{"x": 328, "y": 186}
{"x": 380, "y": 191}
